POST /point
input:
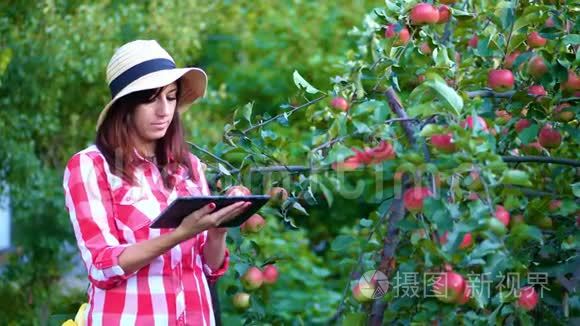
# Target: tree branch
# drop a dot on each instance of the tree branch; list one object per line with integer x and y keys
{"x": 541, "y": 159}
{"x": 228, "y": 164}
{"x": 490, "y": 93}
{"x": 294, "y": 109}
{"x": 507, "y": 43}
{"x": 507, "y": 159}
{"x": 397, "y": 108}
{"x": 391, "y": 240}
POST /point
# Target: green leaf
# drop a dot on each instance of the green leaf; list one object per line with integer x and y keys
{"x": 355, "y": 319}
{"x": 327, "y": 193}
{"x": 302, "y": 83}
{"x": 296, "y": 207}
{"x": 436, "y": 211}
{"x": 342, "y": 242}
{"x": 441, "y": 58}
{"x": 407, "y": 224}
{"x": 361, "y": 128}
{"x": 516, "y": 177}
{"x": 247, "y": 111}
{"x": 446, "y": 93}
{"x": 522, "y": 231}
{"x": 576, "y": 189}
{"x": 223, "y": 169}
{"x": 430, "y": 130}
{"x": 420, "y": 110}
{"x": 572, "y": 39}
{"x": 338, "y": 153}
{"x": 529, "y": 134}
{"x": 366, "y": 223}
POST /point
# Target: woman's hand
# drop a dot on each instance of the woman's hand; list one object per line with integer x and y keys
{"x": 204, "y": 219}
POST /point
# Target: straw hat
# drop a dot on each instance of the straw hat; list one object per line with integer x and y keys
{"x": 144, "y": 64}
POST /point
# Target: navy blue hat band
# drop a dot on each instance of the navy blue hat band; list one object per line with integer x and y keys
{"x": 138, "y": 71}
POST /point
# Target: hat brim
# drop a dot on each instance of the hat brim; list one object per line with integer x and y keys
{"x": 193, "y": 86}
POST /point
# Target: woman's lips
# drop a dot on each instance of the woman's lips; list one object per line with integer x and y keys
{"x": 160, "y": 125}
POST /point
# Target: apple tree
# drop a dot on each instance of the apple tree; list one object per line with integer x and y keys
{"x": 457, "y": 122}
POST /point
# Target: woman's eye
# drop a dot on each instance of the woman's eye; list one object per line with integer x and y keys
{"x": 171, "y": 98}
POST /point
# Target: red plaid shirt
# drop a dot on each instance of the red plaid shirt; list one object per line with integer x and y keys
{"x": 108, "y": 214}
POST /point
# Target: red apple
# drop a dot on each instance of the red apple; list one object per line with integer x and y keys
{"x": 473, "y": 196}
{"x": 424, "y": 13}
{"x": 362, "y": 295}
{"x": 563, "y": 113}
{"x": 473, "y": 41}
{"x": 537, "y": 67}
{"x": 449, "y": 287}
{"x": 502, "y": 215}
{"x": 382, "y": 152}
{"x": 253, "y": 225}
{"x": 241, "y": 300}
{"x": 238, "y": 191}
{"x": 339, "y": 103}
{"x": 532, "y": 148}
{"x": 535, "y": 40}
{"x": 522, "y": 124}
{"x": 510, "y": 58}
{"x": 413, "y": 198}
{"x": 444, "y": 142}
{"x": 403, "y": 34}
{"x": 469, "y": 122}
{"x": 528, "y": 298}
{"x": 270, "y": 274}
{"x": 537, "y": 91}
{"x": 424, "y": 48}
{"x": 444, "y": 14}
{"x": 466, "y": 242}
{"x": 554, "y": 205}
{"x": 253, "y": 278}
{"x": 500, "y": 80}
{"x": 466, "y": 294}
{"x": 572, "y": 84}
{"x": 503, "y": 116}
{"x": 549, "y": 137}
{"x": 550, "y": 22}
{"x": 278, "y": 194}
{"x": 349, "y": 164}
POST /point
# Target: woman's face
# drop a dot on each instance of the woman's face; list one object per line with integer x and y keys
{"x": 151, "y": 120}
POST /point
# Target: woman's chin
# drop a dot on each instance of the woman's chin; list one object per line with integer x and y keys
{"x": 156, "y": 134}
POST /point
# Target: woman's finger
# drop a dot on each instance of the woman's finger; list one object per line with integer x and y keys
{"x": 231, "y": 215}
{"x": 228, "y": 209}
{"x": 205, "y": 210}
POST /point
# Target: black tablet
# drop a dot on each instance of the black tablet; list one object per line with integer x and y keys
{"x": 172, "y": 216}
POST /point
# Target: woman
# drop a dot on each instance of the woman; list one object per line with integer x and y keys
{"x": 113, "y": 190}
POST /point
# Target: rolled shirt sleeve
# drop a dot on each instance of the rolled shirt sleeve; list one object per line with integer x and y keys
{"x": 212, "y": 275}
{"x": 89, "y": 204}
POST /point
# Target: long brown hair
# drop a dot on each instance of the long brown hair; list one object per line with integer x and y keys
{"x": 114, "y": 139}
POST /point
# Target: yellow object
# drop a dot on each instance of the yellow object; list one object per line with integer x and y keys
{"x": 69, "y": 322}
{"x": 80, "y": 316}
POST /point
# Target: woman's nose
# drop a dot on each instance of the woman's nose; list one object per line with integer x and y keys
{"x": 164, "y": 107}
